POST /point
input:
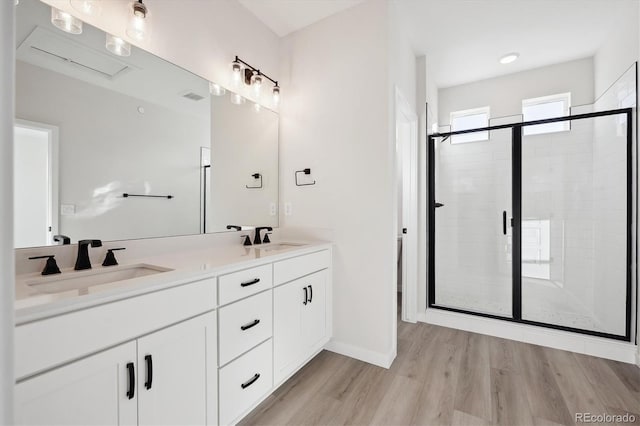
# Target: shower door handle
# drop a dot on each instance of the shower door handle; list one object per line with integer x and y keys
{"x": 438, "y": 205}
{"x": 504, "y": 222}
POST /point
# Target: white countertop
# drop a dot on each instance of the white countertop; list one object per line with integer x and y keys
{"x": 186, "y": 266}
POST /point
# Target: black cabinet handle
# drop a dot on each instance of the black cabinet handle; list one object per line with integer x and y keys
{"x": 306, "y": 296}
{"x": 248, "y": 326}
{"x": 310, "y": 293}
{"x": 248, "y": 283}
{"x": 132, "y": 380}
{"x": 504, "y": 222}
{"x": 149, "y": 361}
{"x": 250, "y": 381}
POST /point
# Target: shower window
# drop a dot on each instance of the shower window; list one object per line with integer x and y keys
{"x": 546, "y": 107}
{"x": 470, "y": 119}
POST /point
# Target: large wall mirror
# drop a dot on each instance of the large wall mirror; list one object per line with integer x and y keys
{"x": 115, "y": 148}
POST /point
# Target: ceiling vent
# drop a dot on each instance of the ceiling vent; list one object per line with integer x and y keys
{"x": 192, "y": 96}
{"x": 58, "y": 53}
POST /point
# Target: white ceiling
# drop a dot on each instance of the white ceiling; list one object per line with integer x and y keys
{"x": 287, "y": 16}
{"x": 464, "y": 39}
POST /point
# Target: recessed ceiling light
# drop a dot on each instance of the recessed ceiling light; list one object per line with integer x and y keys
{"x": 509, "y": 57}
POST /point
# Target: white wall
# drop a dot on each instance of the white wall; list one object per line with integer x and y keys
{"x": 201, "y": 36}
{"x": 7, "y": 277}
{"x": 335, "y": 119}
{"x": 108, "y": 148}
{"x": 505, "y": 94}
{"x": 618, "y": 52}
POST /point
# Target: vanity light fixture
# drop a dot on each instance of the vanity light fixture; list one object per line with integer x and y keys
{"x": 509, "y": 58}
{"x": 256, "y": 83}
{"x": 236, "y": 72}
{"x": 64, "y": 21}
{"x": 137, "y": 27}
{"x": 87, "y": 7}
{"x": 253, "y": 77}
{"x": 117, "y": 46}
{"x": 216, "y": 89}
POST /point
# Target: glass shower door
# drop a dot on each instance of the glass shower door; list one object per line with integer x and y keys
{"x": 473, "y": 234}
{"x": 574, "y": 225}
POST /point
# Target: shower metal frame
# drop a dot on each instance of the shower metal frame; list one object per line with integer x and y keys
{"x": 516, "y": 143}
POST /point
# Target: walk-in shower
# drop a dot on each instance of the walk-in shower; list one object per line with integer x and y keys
{"x": 536, "y": 227}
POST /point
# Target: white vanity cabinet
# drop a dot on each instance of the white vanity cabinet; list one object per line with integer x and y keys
{"x": 200, "y": 352}
{"x": 92, "y": 391}
{"x": 300, "y": 312}
{"x": 159, "y": 378}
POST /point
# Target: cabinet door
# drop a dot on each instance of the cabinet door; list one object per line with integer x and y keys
{"x": 288, "y": 303}
{"x": 172, "y": 379}
{"x": 314, "y": 313}
{"x": 92, "y": 391}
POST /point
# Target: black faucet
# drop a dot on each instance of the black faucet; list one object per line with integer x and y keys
{"x": 257, "y": 239}
{"x": 51, "y": 267}
{"x": 83, "y": 261}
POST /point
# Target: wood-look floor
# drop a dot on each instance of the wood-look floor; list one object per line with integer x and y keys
{"x": 443, "y": 376}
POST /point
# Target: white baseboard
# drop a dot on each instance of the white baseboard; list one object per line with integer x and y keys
{"x": 558, "y": 339}
{"x": 376, "y": 358}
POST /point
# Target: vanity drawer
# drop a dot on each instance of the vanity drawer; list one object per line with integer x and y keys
{"x": 241, "y": 284}
{"x": 290, "y": 269}
{"x": 244, "y": 324}
{"x": 245, "y": 381}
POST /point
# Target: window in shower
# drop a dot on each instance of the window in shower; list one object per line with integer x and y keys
{"x": 546, "y": 107}
{"x": 536, "y": 249}
{"x": 470, "y": 119}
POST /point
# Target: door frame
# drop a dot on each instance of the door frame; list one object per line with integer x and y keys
{"x": 53, "y": 215}
{"x": 406, "y": 114}
{"x": 517, "y": 219}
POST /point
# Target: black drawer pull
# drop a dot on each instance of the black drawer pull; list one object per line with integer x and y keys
{"x": 248, "y": 283}
{"x": 149, "y": 361}
{"x": 306, "y": 296}
{"x": 504, "y": 222}
{"x": 248, "y": 326}
{"x": 250, "y": 381}
{"x": 310, "y": 293}
{"x": 132, "y": 380}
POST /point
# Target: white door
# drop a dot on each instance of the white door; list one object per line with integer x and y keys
{"x": 172, "y": 376}
{"x": 407, "y": 152}
{"x": 313, "y": 313}
{"x": 34, "y": 186}
{"x": 288, "y": 303}
{"x": 93, "y": 391}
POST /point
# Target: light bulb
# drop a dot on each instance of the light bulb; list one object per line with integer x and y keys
{"x": 216, "y": 89}
{"x": 257, "y": 107}
{"x": 137, "y": 27}
{"x": 117, "y": 46}
{"x": 276, "y": 95}
{"x": 236, "y": 72}
{"x": 256, "y": 83}
{"x": 65, "y": 22}
{"x": 87, "y": 7}
{"x": 237, "y": 99}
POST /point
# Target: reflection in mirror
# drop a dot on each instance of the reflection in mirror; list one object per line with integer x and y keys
{"x": 92, "y": 126}
{"x": 244, "y": 165}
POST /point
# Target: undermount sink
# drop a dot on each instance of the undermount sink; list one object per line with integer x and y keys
{"x": 277, "y": 246}
{"x": 83, "y": 280}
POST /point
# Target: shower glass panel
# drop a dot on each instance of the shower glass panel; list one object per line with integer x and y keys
{"x": 574, "y": 226}
{"x": 473, "y": 234}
